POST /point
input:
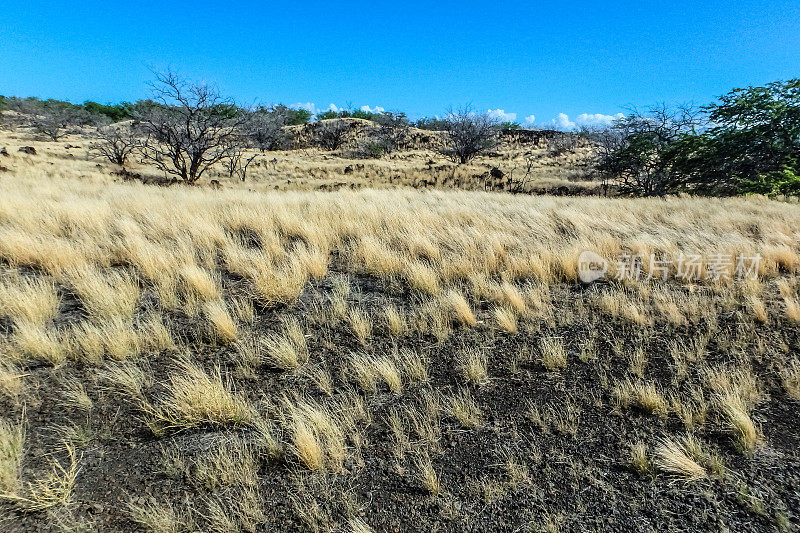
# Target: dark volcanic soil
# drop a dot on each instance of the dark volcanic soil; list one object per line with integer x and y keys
{"x": 573, "y": 472}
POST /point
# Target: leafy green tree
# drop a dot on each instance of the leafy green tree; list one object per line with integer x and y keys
{"x": 331, "y": 114}
{"x": 755, "y": 140}
{"x": 297, "y": 117}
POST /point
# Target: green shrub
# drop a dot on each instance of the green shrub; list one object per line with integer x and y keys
{"x": 330, "y": 113}
{"x": 431, "y": 124}
{"x": 295, "y": 117}
{"x": 375, "y": 150}
{"x": 508, "y": 126}
{"x": 115, "y": 112}
{"x": 785, "y": 181}
{"x": 366, "y": 115}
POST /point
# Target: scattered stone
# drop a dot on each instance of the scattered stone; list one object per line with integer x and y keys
{"x": 348, "y": 169}
{"x": 30, "y": 150}
{"x": 4, "y": 152}
{"x": 215, "y": 184}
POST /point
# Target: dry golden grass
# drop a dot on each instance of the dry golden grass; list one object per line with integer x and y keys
{"x": 360, "y": 324}
{"x": 222, "y": 325}
{"x": 507, "y": 294}
{"x": 387, "y": 370}
{"x": 357, "y": 525}
{"x": 553, "y": 353}
{"x": 158, "y": 518}
{"x": 39, "y": 343}
{"x": 287, "y": 351}
{"x": 434, "y": 318}
{"x": 54, "y": 489}
{"x": 422, "y": 277}
{"x": 736, "y": 393}
{"x": 115, "y": 338}
{"x": 174, "y": 248}
{"x": 316, "y": 435}
{"x": 10, "y": 380}
{"x": 127, "y": 379}
{"x": 278, "y": 286}
{"x": 74, "y": 396}
{"x": 428, "y": 476}
{"x": 395, "y": 321}
{"x": 11, "y": 450}
{"x": 111, "y": 295}
{"x": 460, "y": 307}
{"x": 639, "y": 460}
{"x": 154, "y": 336}
{"x": 506, "y": 319}
{"x": 792, "y": 309}
{"x": 472, "y": 365}
{"x": 369, "y": 370}
{"x": 677, "y": 458}
{"x": 34, "y": 301}
{"x": 414, "y": 366}
{"x": 196, "y": 398}
{"x": 645, "y": 396}
{"x": 231, "y": 463}
{"x": 739, "y": 419}
{"x": 758, "y": 308}
{"x": 465, "y": 410}
{"x": 791, "y": 380}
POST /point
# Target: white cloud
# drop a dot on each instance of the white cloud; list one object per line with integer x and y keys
{"x": 563, "y": 122}
{"x": 597, "y": 119}
{"x": 376, "y": 109}
{"x": 308, "y": 106}
{"x": 530, "y": 119}
{"x": 501, "y": 115}
{"x": 333, "y": 107}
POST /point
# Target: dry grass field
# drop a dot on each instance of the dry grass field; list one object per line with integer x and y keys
{"x": 309, "y": 168}
{"x": 382, "y": 358}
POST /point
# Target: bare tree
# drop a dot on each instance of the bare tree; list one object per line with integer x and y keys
{"x": 641, "y": 145}
{"x": 564, "y": 142}
{"x": 468, "y": 133}
{"x": 265, "y": 128}
{"x": 55, "y": 120}
{"x": 236, "y": 160}
{"x": 392, "y": 130}
{"x": 188, "y": 127}
{"x": 332, "y": 134}
{"x": 519, "y": 186}
{"x": 606, "y": 141}
{"x": 116, "y": 143}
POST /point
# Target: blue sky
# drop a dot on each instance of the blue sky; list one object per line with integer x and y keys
{"x": 525, "y": 58}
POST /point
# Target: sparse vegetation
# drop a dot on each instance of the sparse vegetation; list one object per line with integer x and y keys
{"x": 263, "y": 355}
